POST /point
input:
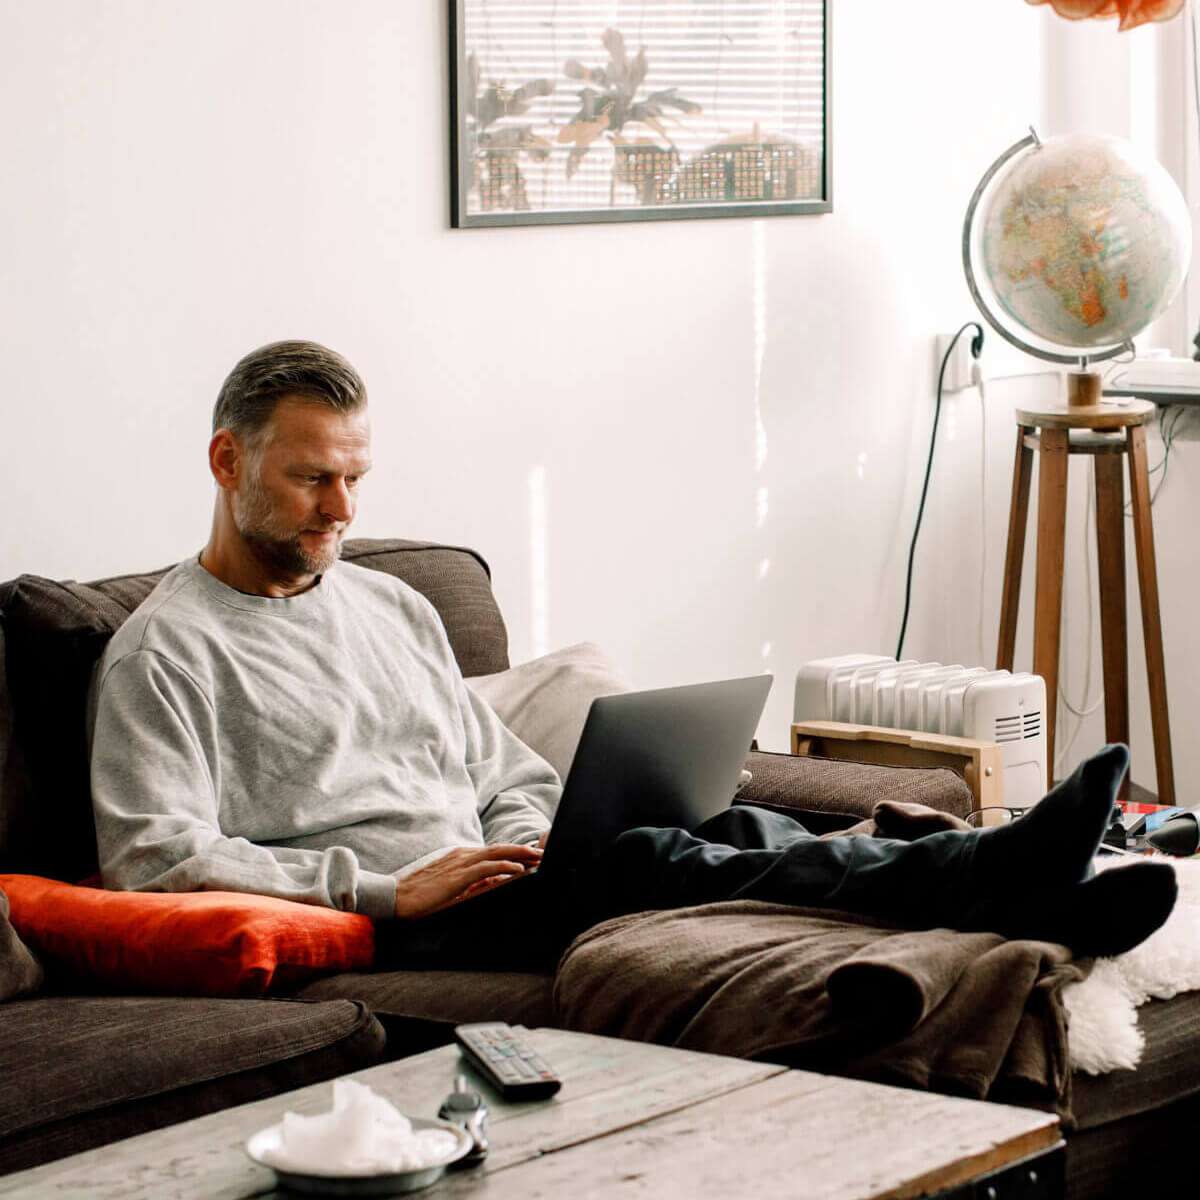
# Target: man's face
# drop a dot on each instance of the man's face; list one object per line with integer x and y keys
{"x": 297, "y": 493}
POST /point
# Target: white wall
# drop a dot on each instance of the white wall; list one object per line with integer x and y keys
{"x": 184, "y": 182}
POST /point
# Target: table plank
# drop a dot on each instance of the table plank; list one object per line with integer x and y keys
{"x": 609, "y": 1085}
{"x": 797, "y": 1134}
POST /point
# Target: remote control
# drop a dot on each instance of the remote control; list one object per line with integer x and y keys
{"x": 507, "y": 1061}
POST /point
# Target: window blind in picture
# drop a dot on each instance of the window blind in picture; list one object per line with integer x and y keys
{"x": 570, "y": 110}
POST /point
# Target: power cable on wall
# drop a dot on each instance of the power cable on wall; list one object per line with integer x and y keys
{"x": 976, "y": 350}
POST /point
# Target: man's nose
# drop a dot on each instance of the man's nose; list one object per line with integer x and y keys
{"x": 337, "y": 502}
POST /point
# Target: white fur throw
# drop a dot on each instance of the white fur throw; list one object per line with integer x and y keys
{"x": 1102, "y": 1010}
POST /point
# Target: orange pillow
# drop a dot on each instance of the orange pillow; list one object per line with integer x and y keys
{"x": 183, "y": 944}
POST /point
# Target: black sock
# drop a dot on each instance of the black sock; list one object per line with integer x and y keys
{"x": 1099, "y": 918}
{"x": 1054, "y": 843}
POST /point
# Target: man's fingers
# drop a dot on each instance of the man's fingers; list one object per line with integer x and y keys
{"x": 504, "y": 850}
{"x": 500, "y": 852}
{"x": 487, "y": 870}
{"x": 483, "y": 885}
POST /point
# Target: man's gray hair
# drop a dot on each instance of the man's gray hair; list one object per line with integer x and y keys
{"x": 265, "y": 376}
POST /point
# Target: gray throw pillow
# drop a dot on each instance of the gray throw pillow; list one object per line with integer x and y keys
{"x": 545, "y": 702}
{"x": 19, "y": 970}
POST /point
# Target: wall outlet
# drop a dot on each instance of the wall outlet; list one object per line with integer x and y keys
{"x": 958, "y": 369}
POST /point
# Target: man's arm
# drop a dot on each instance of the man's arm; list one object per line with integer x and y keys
{"x": 154, "y": 761}
{"x": 517, "y": 791}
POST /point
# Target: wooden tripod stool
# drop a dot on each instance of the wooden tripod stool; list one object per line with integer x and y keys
{"x": 1086, "y": 426}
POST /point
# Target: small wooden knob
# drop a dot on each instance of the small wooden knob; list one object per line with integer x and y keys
{"x": 1084, "y": 389}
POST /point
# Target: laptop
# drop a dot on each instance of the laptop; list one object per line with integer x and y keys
{"x": 670, "y": 758}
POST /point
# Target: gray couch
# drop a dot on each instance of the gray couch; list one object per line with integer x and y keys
{"x": 80, "y": 1069}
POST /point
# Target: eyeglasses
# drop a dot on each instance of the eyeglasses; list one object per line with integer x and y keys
{"x": 993, "y": 814}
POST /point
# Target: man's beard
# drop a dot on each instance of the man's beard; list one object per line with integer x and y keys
{"x": 273, "y": 544}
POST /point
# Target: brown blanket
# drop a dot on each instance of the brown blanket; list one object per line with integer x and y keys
{"x": 967, "y": 1014}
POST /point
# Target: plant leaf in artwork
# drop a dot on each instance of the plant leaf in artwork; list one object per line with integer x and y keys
{"x": 574, "y": 69}
{"x": 527, "y": 93}
{"x": 614, "y": 43}
{"x": 638, "y": 72}
{"x": 588, "y": 106}
{"x": 583, "y": 133}
{"x": 517, "y": 138}
{"x": 497, "y": 100}
{"x": 668, "y": 99}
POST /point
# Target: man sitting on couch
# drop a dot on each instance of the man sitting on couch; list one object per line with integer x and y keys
{"x": 273, "y": 721}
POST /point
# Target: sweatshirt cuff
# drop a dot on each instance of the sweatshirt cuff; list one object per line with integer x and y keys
{"x": 376, "y": 895}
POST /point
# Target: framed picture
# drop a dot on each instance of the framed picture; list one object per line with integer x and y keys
{"x": 633, "y": 110}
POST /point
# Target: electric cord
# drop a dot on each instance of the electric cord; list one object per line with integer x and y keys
{"x": 977, "y": 380}
{"x": 976, "y": 350}
{"x": 1168, "y": 425}
{"x": 1089, "y": 526}
{"x": 1085, "y": 710}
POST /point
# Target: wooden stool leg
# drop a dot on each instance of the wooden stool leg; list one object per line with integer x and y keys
{"x": 1051, "y": 530}
{"x": 1156, "y": 667}
{"x": 1018, "y": 519}
{"x": 1110, "y": 559}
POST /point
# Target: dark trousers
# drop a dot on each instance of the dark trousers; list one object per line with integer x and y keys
{"x": 743, "y": 853}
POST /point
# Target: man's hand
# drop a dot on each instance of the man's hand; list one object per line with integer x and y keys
{"x": 459, "y": 874}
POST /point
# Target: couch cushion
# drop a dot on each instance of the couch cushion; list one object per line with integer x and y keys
{"x": 786, "y": 781}
{"x": 54, "y": 632}
{"x": 518, "y": 997}
{"x": 1169, "y": 1070}
{"x": 80, "y": 1071}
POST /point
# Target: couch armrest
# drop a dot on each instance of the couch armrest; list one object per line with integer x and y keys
{"x": 822, "y": 786}
{"x": 978, "y": 763}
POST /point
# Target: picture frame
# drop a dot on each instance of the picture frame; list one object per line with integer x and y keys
{"x": 571, "y": 111}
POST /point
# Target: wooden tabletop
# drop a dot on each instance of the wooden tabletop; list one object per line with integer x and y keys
{"x": 1110, "y": 415}
{"x": 631, "y": 1120}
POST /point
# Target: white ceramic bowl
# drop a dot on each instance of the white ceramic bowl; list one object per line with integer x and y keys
{"x": 340, "y": 1184}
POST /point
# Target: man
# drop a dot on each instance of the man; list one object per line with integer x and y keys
{"x": 271, "y": 720}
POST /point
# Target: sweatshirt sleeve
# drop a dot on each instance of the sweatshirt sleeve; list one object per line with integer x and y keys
{"x": 154, "y": 773}
{"x": 516, "y": 790}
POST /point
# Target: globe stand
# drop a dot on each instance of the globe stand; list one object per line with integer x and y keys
{"x": 1106, "y": 432}
{"x": 1085, "y": 389}
{"x": 1085, "y": 425}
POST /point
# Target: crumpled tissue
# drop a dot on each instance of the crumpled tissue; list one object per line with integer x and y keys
{"x": 364, "y": 1134}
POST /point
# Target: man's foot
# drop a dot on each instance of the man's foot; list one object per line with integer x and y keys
{"x": 1099, "y": 918}
{"x": 1053, "y": 844}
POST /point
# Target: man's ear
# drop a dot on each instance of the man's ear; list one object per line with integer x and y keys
{"x": 226, "y": 458}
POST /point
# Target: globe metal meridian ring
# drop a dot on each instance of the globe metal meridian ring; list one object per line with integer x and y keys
{"x": 1080, "y": 360}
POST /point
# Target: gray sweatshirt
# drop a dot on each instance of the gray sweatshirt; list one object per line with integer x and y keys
{"x": 317, "y": 748}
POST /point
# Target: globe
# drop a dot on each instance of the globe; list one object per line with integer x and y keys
{"x": 1083, "y": 241}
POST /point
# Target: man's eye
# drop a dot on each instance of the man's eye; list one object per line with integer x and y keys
{"x": 352, "y": 481}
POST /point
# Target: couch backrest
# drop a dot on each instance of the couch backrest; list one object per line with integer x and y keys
{"x": 53, "y": 632}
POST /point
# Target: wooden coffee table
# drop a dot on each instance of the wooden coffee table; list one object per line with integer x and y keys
{"x": 631, "y": 1120}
